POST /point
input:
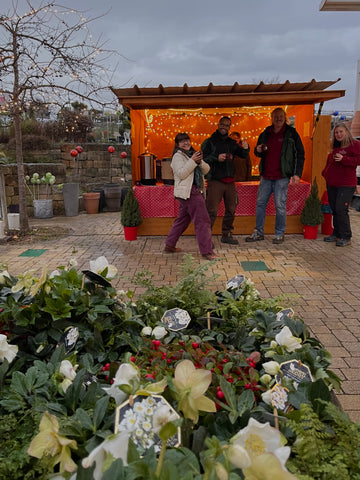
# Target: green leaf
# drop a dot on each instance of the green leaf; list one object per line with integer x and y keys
{"x": 100, "y": 410}
{"x": 18, "y": 383}
{"x": 167, "y": 431}
{"x": 229, "y": 393}
{"x": 245, "y": 402}
{"x": 84, "y": 419}
{"x": 115, "y": 471}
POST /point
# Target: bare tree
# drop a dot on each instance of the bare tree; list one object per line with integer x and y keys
{"x": 47, "y": 54}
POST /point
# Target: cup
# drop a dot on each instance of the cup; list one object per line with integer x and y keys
{"x": 229, "y": 157}
{"x": 264, "y": 147}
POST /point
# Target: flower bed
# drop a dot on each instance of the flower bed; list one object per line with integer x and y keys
{"x": 97, "y": 385}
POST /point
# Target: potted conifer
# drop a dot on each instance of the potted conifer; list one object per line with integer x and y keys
{"x": 311, "y": 215}
{"x": 130, "y": 215}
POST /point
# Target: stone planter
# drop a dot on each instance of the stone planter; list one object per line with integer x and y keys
{"x": 43, "y": 208}
{"x": 71, "y": 199}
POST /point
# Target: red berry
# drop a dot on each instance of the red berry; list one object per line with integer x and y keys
{"x": 195, "y": 345}
{"x": 107, "y": 377}
{"x": 150, "y": 375}
{"x": 132, "y": 359}
{"x": 220, "y": 394}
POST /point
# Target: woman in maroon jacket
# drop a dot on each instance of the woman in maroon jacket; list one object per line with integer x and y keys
{"x": 340, "y": 176}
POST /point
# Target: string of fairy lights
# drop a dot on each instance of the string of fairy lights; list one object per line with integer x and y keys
{"x": 161, "y": 126}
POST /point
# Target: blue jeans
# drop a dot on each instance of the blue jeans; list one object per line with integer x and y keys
{"x": 279, "y": 188}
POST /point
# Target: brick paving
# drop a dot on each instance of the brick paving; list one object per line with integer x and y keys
{"x": 323, "y": 279}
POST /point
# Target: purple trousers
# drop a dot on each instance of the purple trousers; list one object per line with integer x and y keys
{"x": 193, "y": 210}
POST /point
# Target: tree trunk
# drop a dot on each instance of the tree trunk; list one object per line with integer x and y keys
{"x": 24, "y": 222}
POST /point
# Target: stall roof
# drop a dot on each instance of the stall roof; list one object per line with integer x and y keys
{"x": 212, "y": 96}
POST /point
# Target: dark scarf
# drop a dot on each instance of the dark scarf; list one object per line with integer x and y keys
{"x": 198, "y": 175}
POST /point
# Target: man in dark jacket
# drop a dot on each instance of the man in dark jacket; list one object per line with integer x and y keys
{"x": 218, "y": 151}
{"x": 282, "y": 160}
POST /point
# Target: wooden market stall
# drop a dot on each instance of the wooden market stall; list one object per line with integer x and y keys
{"x": 158, "y": 114}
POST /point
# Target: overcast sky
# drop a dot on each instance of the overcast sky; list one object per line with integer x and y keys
{"x": 245, "y": 41}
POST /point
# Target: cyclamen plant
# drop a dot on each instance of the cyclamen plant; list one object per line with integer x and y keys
{"x": 35, "y": 181}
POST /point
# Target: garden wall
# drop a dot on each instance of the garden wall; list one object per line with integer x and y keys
{"x": 93, "y": 168}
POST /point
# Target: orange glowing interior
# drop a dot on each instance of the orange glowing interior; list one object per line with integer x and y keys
{"x": 153, "y": 130}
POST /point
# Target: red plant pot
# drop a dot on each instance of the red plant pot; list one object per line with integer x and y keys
{"x": 310, "y": 232}
{"x": 130, "y": 233}
{"x": 327, "y": 226}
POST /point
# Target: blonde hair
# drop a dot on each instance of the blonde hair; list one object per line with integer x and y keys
{"x": 348, "y": 138}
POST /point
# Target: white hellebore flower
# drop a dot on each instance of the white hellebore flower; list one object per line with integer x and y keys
{"x": 238, "y": 456}
{"x": 125, "y": 373}
{"x": 162, "y": 416}
{"x": 146, "y": 331}
{"x": 3, "y": 276}
{"x": 113, "y": 447}
{"x": 266, "y": 397}
{"x": 7, "y": 351}
{"x": 99, "y": 265}
{"x": 272, "y": 367}
{"x": 258, "y": 438}
{"x": 287, "y": 340}
{"x": 67, "y": 370}
{"x": 54, "y": 273}
{"x": 159, "y": 332}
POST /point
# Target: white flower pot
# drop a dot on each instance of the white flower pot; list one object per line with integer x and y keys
{"x": 14, "y": 221}
{"x": 43, "y": 208}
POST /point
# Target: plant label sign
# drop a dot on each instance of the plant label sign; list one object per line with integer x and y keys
{"x": 286, "y": 312}
{"x": 295, "y": 370}
{"x": 176, "y": 319}
{"x": 139, "y": 416}
{"x": 69, "y": 338}
{"x": 235, "y": 282}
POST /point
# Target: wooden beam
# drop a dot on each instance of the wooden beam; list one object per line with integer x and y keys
{"x": 230, "y": 99}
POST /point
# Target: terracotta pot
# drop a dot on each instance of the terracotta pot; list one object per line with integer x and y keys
{"x": 310, "y": 232}
{"x": 130, "y": 233}
{"x": 91, "y": 202}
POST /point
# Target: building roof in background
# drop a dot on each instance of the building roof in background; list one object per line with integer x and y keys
{"x": 213, "y": 96}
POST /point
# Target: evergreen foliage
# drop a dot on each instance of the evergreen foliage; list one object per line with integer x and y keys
{"x": 326, "y": 448}
{"x": 311, "y": 214}
{"x": 130, "y": 212}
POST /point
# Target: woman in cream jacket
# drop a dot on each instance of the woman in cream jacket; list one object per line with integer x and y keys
{"x": 189, "y": 170}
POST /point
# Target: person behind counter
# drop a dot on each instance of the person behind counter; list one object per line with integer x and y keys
{"x": 189, "y": 169}
{"x": 282, "y": 157}
{"x": 340, "y": 176}
{"x": 243, "y": 166}
{"x": 219, "y": 151}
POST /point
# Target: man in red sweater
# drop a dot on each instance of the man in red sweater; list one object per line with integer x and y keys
{"x": 282, "y": 160}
